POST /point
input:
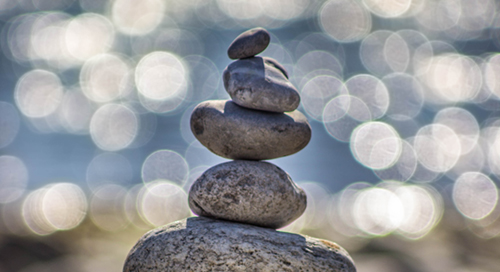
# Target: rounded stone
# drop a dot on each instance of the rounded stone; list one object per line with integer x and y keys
{"x": 249, "y": 43}
{"x": 203, "y": 244}
{"x": 234, "y": 132}
{"x": 250, "y": 192}
{"x": 261, "y": 84}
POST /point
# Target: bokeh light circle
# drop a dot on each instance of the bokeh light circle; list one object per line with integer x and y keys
{"x": 133, "y": 19}
{"x": 161, "y": 76}
{"x": 342, "y": 207}
{"x": 343, "y": 114}
{"x": 378, "y": 211}
{"x": 437, "y": 147}
{"x": 376, "y": 145}
{"x": 316, "y": 63}
{"x": 64, "y": 205}
{"x": 422, "y": 210}
{"x": 38, "y": 93}
{"x": 475, "y": 195}
{"x": 463, "y": 123}
{"x": 105, "y": 77}
{"x": 89, "y": 34}
{"x": 345, "y": 20}
{"x": 113, "y": 127}
{"x": 491, "y": 72}
{"x": 452, "y": 78}
{"x": 383, "y": 52}
{"x": 163, "y": 202}
{"x": 371, "y": 91}
{"x": 33, "y": 216}
{"x": 166, "y": 165}
{"x": 317, "y": 92}
{"x": 404, "y": 168}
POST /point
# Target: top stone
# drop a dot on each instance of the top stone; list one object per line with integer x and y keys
{"x": 249, "y": 43}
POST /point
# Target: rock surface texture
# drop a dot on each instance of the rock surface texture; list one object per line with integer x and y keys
{"x": 242, "y": 202}
{"x": 249, "y": 43}
{"x": 233, "y": 132}
{"x": 202, "y": 244}
{"x": 258, "y": 83}
{"x": 251, "y": 192}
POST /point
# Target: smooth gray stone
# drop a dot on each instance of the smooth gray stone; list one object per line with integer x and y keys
{"x": 202, "y": 244}
{"x": 260, "y": 84}
{"x": 250, "y": 192}
{"x": 234, "y": 132}
{"x": 249, "y": 43}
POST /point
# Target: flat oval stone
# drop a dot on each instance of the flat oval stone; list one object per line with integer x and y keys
{"x": 249, "y": 43}
{"x": 234, "y": 132}
{"x": 250, "y": 192}
{"x": 260, "y": 84}
{"x": 203, "y": 244}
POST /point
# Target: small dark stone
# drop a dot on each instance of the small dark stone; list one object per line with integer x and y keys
{"x": 249, "y": 43}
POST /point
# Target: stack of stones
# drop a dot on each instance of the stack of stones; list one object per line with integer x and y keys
{"x": 242, "y": 202}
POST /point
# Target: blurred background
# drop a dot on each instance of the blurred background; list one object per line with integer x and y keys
{"x": 402, "y": 95}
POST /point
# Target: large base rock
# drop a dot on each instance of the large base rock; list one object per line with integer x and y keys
{"x": 203, "y": 244}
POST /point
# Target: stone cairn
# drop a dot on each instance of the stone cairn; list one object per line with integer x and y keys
{"x": 242, "y": 202}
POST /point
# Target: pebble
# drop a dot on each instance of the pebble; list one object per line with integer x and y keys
{"x": 249, "y": 192}
{"x": 234, "y": 132}
{"x": 260, "y": 84}
{"x": 203, "y": 244}
{"x": 249, "y": 43}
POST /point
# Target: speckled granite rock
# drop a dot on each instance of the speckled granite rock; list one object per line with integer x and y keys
{"x": 235, "y": 132}
{"x": 249, "y": 43}
{"x": 250, "y": 192}
{"x": 202, "y": 244}
{"x": 261, "y": 84}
